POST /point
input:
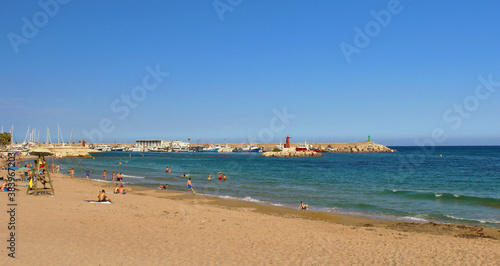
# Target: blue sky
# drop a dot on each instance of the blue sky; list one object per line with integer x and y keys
{"x": 226, "y": 76}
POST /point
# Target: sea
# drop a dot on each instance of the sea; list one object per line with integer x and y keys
{"x": 459, "y": 185}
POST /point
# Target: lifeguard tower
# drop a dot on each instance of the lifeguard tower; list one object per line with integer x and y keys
{"x": 39, "y": 180}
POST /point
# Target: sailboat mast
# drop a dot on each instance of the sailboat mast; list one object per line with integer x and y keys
{"x": 24, "y": 142}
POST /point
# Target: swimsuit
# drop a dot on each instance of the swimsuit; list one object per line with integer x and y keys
{"x": 189, "y": 186}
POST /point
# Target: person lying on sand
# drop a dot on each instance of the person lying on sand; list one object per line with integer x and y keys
{"x": 102, "y": 196}
{"x": 303, "y": 207}
{"x": 117, "y": 188}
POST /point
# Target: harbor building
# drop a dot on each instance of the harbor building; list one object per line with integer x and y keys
{"x": 154, "y": 143}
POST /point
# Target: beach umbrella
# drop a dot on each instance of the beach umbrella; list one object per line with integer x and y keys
{"x": 40, "y": 152}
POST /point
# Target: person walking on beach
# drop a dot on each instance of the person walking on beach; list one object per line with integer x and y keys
{"x": 104, "y": 175}
{"x": 87, "y": 173}
{"x": 113, "y": 177}
{"x": 72, "y": 172}
{"x": 190, "y": 186}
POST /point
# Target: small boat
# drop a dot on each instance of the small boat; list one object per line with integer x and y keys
{"x": 135, "y": 149}
{"x": 250, "y": 148}
{"x": 225, "y": 148}
{"x": 179, "y": 149}
{"x": 303, "y": 147}
{"x": 156, "y": 149}
{"x": 212, "y": 148}
{"x": 117, "y": 149}
{"x": 103, "y": 148}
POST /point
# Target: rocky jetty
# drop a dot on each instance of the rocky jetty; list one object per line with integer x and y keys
{"x": 359, "y": 147}
{"x": 291, "y": 154}
{"x": 71, "y": 151}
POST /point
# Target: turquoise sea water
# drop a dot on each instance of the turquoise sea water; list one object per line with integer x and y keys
{"x": 417, "y": 184}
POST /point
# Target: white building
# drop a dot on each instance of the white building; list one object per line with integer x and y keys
{"x": 154, "y": 143}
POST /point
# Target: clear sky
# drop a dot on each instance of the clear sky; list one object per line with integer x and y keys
{"x": 340, "y": 70}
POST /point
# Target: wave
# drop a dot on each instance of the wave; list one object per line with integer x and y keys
{"x": 100, "y": 180}
{"x": 486, "y": 201}
{"x": 488, "y": 221}
{"x": 133, "y": 176}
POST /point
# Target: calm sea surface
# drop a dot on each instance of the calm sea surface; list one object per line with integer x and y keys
{"x": 443, "y": 184}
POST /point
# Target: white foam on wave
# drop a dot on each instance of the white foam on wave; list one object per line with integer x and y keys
{"x": 490, "y": 221}
{"x": 415, "y": 219}
{"x": 133, "y": 176}
{"x": 101, "y": 180}
{"x": 438, "y": 195}
{"x": 250, "y": 199}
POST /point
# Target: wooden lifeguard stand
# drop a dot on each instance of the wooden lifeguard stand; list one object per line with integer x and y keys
{"x": 40, "y": 176}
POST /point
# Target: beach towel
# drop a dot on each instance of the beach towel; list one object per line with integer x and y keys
{"x": 96, "y": 201}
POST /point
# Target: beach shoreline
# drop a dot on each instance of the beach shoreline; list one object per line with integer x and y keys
{"x": 160, "y": 226}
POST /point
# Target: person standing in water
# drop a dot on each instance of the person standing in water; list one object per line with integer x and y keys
{"x": 119, "y": 178}
{"x": 104, "y": 175}
{"x": 190, "y": 186}
{"x": 87, "y": 173}
{"x": 72, "y": 172}
{"x": 113, "y": 177}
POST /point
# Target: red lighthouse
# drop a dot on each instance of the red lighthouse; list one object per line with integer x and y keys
{"x": 287, "y": 144}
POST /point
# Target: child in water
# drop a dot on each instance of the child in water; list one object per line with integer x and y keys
{"x": 303, "y": 207}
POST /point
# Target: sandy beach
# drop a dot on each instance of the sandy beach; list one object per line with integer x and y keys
{"x": 148, "y": 226}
